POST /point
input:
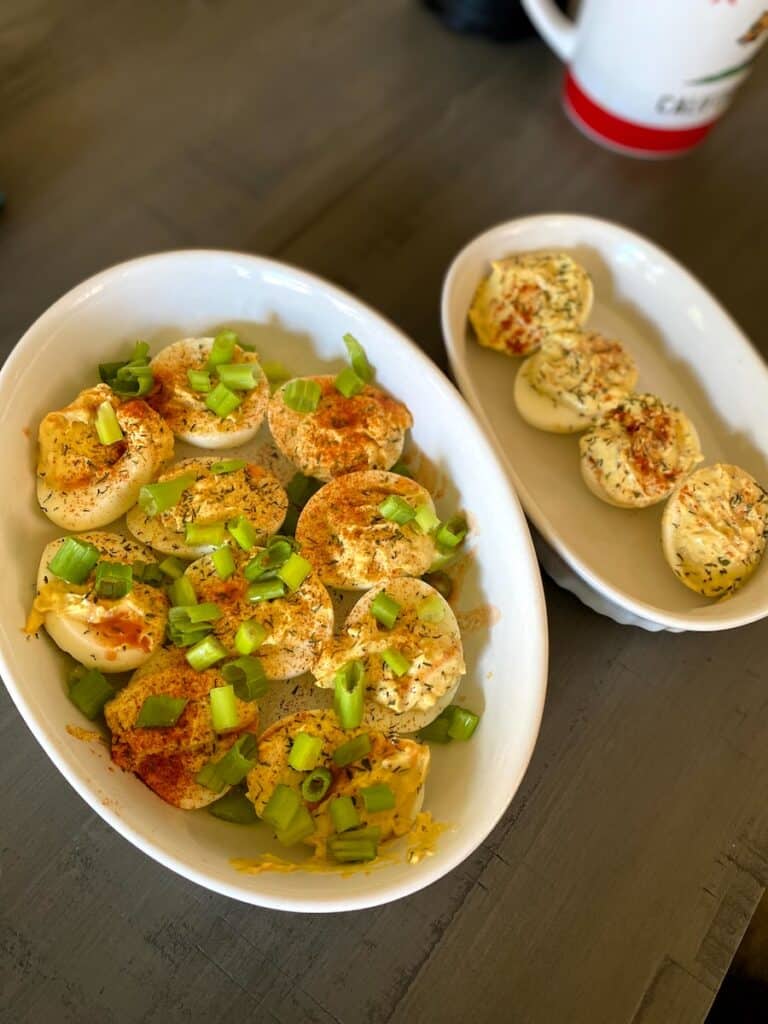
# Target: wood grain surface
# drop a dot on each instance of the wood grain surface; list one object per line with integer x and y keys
{"x": 361, "y": 140}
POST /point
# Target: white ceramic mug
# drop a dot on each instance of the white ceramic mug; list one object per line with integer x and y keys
{"x": 651, "y": 77}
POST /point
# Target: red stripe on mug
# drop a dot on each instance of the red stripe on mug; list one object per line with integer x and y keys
{"x": 626, "y": 134}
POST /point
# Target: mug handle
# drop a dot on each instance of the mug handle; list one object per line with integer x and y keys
{"x": 557, "y": 30}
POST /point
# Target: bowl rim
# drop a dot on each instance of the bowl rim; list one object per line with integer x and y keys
{"x": 484, "y": 243}
{"x": 52, "y": 742}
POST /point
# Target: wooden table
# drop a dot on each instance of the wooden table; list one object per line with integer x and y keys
{"x": 361, "y": 140}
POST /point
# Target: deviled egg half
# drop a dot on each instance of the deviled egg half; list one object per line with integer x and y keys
{"x": 637, "y": 453}
{"x": 94, "y": 456}
{"x": 406, "y": 637}
{"x": 352, "y": 790}
{"x": 714, "y": 529}
{"x": 295, "y": 619}
{"x": 326, "y": 433}
{"x": 168, "y": 759}
{"x": 572, "y": 379}
{"x": 205, "y": 494}
{"x": 362, "y": 528}
{"x": 210, "y": 392}
{"x": 528, "y": 297}
{"x": 93, "y": 606}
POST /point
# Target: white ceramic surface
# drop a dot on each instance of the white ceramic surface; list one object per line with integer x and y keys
{"x": 299, "y": 319}
{"x": 688, "y": 350}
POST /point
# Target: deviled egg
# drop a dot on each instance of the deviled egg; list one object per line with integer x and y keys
{"x": 406, "y": 637}
{"x": 350, "y": 531}
{"x": 211, "y": 493}
{"x": 211, "y": 392}
{"x": 714, "y": 529}
{"x": 637, "y": 453}
{"x": 572, "y": 379}
{"x": 93, "y": 607}
{"x": 94, "y": 456}
{"x": 338, "y": 433}
{"x": 528, "y": 297}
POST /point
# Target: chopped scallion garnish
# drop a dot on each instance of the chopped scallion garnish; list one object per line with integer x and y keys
{"x": 113, "y": 580}
{"x": 246, "y": 674}
{"x": 301, "y": 826}
{"x": 349, "y": 694}
{"x": 234, "y": 807}
{"x": 182, "y": 593}
{"x": 281, "y": 807}
{"x": 385, "y": 609}
{"x": 463, "y": 723}
{"x": 348, "y": 383}
{"x": 223, "y": 561}
{"x": 223, "y": 349}
{"x": 250, "y": 636}
{"x": 452, "y": 533}
{"x": 396, "y": 660}
{"x": 402, "y": 469}
{"x": 206, "y": 652}
{"x": 209, "y": 611}
{"x": 204, "y": 534}
{"x": 425, "y": 519}
{"x": 356, "y": 845}
{"x": 159, "y": 497}
{"x": 223, "y": 708}
{"x": 343, "y": 813}
{"x": 276, "y": 553}
{"x": 358, "y": 358}
{"x": 89, "y": 691}
{"x": 353, "y": 750}
{"x": 431, "y": 609}
{"x": 131, "y": 378}
{"x": 302, "y": 394}
{"x": 107, "y": 426}
{"x": 199, "y": 380}
{"x": 149, "y": 573}
{"x": 222, "y": 401}
{"x": 397, "y": 509}
{"x": 238, "y": 376}
{"x": 316, "y": 785}
{"x": 160, "y": 711}
{"x": 436, "y": 731}
{"x": 74, "y": 560}
{"x": 228, "y": 466}
{"x": 265, "y": 590}
{"x": 173, "y": 567}
{"x": 378, "y": 798}
{"x": 294, "y": 571}
{"x": 230, "y": 769}
{"x": 305, "y": 752}
{"x": 243, "y": 532}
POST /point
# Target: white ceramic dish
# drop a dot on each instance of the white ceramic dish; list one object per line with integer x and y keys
{"x": 688, "y": 350}
{"x": 299, "y": 319}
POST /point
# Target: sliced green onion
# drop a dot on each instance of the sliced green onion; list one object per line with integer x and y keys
{"x": 348, "y": 383}
{"x": 281, "y": 807}
{"x": 204, "y": 534}
{"x": 397, "y": 510}
{"x": 358, "y": 358}
{"x": 265, "y": 590}
{"x": 294, "y": 571}
{"x": 223, "y": 349}
{"x": 247, "y": 676}
{"x": 349, "y": 694}
{"x": 157, "y": 498}
{"x": 234, "y": 807}
{"x": 443, "y": 558}
{"x": 206, "y": 652}
{"x": 182, "y": 593}
{"x": 222, "y": 401}
{"x": 160, "y": 712}
{"x": 238, "y": 376}
{"x": 113, "y": 580}
{"x": 316, "y": 785}
{"x": 352, "y": 750}
{"x": 250, "y": 636}
{"x": 131, "y": 378}
{"x": 107, "y": 425}
{"x": 452, "y": 533}
{"x": 385, "y": 609}
{"x": 436, "y": 731}
{"x": 199, "y": 380}
{"x": 275, "y": 554}
{"x": 181, "y": 631}
{"x": 301, "y": 826}
{"x": 149, "y": 573}
{"x": 228, "y": 466}
{"x": 209, "y": 611}
{"x": 302, "y": 394}
{"x": 230, "y": 769}
{"x": 425, "y": 519}
{"x": 275, "y": 371}
{"x": 305, "y": 752}
{"x": 431, "y": 609}
{"x": 223, "y": 561}
{"x": 223, "y": 708}
{"x": 402, "y": 469}
{"x": 74, "y": 560}
{"x": 343, "y": 813}
{"x": 355, "y": 845}
{"x": 463, "y": 723}
{"x": 378, "y": 798}
{"x": 173, "y": 567}
{"x": 300, "y": 489}
{"x": 89, "y": 691}
{"x": 243, "y": 532}
{"x": 442, "y": 583}
{"x": 396, "y": 660}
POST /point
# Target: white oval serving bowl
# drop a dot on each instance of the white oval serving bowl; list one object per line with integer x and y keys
{"x": 298, "y": 319}
{"x": 688, "y": 351}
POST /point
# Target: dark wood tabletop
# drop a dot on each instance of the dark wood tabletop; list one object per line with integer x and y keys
{"x": 363, "y": 141}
